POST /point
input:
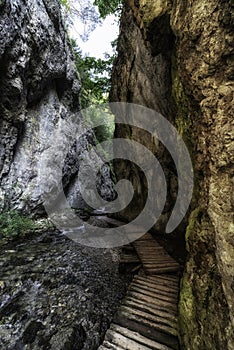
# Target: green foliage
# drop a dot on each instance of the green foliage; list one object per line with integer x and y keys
{"x": 94, "y": 74}
{"x": 108, "y": 7}
{"x": 95, "y": 80}
{"x": 13, "y": 224}
{"x": 65, "y": 3}
{"x": 107, "y": 124}
{"x": 83, "y": 11}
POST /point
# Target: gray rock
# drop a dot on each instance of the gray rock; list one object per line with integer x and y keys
{"x": 39, "y": 90}
{"x": 56, "y": 294}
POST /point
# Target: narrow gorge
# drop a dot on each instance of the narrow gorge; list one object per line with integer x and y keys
{"x": 174, "y": 57}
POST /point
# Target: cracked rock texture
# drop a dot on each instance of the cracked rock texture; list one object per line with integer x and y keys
{"x": 177, "y": 58}
{"x": 56, "y": 294}
{"x": 39, "y": 91}
{"x": 142, "y": 75}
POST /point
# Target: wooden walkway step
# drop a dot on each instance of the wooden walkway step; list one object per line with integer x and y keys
{"x": 154, "y": 258}
{"x": 123, "y": 338}
{"x": 147, "y": 317}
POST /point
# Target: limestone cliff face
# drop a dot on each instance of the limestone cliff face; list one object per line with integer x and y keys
{"x": 39, "y": 89}
{"x": 177, "y": 57}
{"x": 142, "y": 75}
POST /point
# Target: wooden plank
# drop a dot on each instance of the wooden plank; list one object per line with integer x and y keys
{"x": 137, "y": 268}
{"x": 160, "y": 283}
{"x": 127, "y": 258}
{"x": 146, "y": 238}
{"x": 154, "y": 300}
{"x": 159, "y": 287}
{"x": 147, "y": 259}
{"x": 170, "y": 278}
{"x": 144, "y": 321}
{"x": 157, "y": 263}
{"x": 149, "y": 242}
{"x": 153, "y": 271}
{"x": 147, "y": 331}
{"x": 157, "y": 304}
{"x": 155, "y": 255}
{"x": 149, "y": 268}
{"x": 144, "y": 254}
{"x": 168, "y": 325}
{"x": 162, "y": 264}
{"x": 142, "y": 294}
{"x": 152, "y": 308}
{"x": 158, "y": 259}
{"x": 158, "y": 280}
{"x": 150, "y": 246}
{"x": 110, "y": 346}
{"x": 155, "y": 289}
{"x": 169, "y": 299}
{"x": 167, "y": 287}
{"x": 150, "y": 264}
{"x": 139, "y": 338}
{"x": 124, "y": 342}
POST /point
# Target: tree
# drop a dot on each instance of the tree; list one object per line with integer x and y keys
{"x": 108, "y": 7}
{"x": 84, "y": 11}
{"x": 95, "y": 80}
{"x": 94, "y": 73}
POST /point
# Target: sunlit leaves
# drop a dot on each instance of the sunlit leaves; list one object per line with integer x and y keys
{"x": 95, "y": 77}
{"x": 108, "y": 7}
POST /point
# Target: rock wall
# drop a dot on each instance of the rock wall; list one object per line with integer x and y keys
{"x": 177, "y": 58}
{"x": 39, "y": 89}
{"x": 141, "y": 75}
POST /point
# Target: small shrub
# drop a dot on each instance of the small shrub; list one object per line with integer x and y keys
{"x": 12, "y": 224}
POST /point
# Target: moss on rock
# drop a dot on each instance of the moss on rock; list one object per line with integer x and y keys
{"x": 191, "y": 224}
{"x": 151, "y": 9}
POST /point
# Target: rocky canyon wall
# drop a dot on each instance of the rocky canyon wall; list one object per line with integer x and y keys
{"x": 39, "y": 90}
{"x": 177, "y": 57}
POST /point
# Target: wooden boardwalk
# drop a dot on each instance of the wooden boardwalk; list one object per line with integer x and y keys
{"x": 147, "y": 317}
{"x": 154, "y": 258}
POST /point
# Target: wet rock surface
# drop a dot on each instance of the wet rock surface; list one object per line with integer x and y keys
{"x": 56, "y": 294}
